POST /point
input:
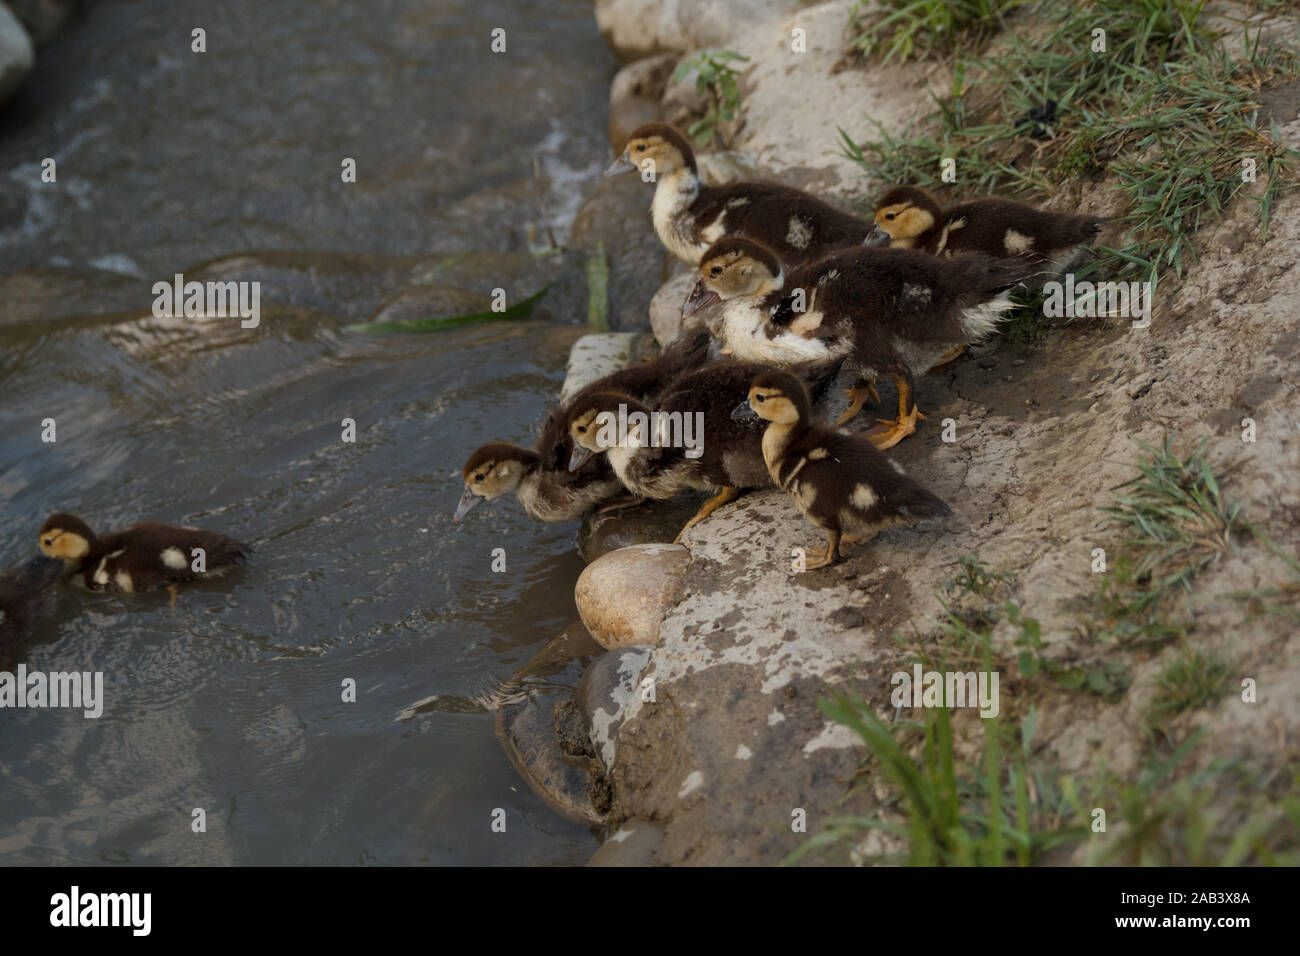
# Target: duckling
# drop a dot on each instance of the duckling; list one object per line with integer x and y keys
{"x": 892, "y": 312}
{"x": 540, "y": 477}
{"x": 689, "y": 216}
{"x": 547, "y": 493}
{"x": 910, "y": 218}
{"x": 839, "y": 481}
{"x": 689, "y": 441}
{"x": 21, "y": 592}
{"x": 142, "y": 557}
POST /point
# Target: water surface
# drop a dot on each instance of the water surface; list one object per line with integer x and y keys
{"x": 231, "y": 699}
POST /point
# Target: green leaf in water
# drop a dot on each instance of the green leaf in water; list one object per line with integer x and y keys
{"x": 514, "y": 313}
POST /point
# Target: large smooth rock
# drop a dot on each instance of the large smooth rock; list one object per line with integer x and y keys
{"x": 635, "y": 94}
{"x": 593, "y": 356}
{"x": 604, "y": 691}
{"x": 666, "y": 307}
{"x": 530, "y": 723}
{"x": 616, "y": 216}
{"x": 622, "y": 597}
{"x": 17, "y": 55}
{"x": 639, "y": 28}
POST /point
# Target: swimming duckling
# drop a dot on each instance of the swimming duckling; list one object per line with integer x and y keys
{"x": 142, "y": 557}
{"x": 690, "y": 216}
{"x": 910, "y": 218}
{"x": 893, "y": 312}
{"x": 689, "y": 441}
{"x": 839, "y": 481}
{"x": 540, "y": 477}
{"x": 21, "y": 592}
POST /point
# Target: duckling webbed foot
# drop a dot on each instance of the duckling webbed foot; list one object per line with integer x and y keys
{"x": 952, "y": 355}
{"x": 823, "y": 558}
{"x": 896, "y": 430}
{"x": 858, "y": 396}
{"x": 171, "y": 589}
{"x": 717, "y": 501}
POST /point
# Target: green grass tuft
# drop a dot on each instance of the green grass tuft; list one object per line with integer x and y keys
{"x": 904, "y": 29}
{"x": 1192, "y": 681}
{"x": 1162, "y": 108}
{"x": 993, "y": 813}
{"x": 1177, "y": 522}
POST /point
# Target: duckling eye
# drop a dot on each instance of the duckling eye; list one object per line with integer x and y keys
{"x": 641, "y": 148}
{"x": 890, "y": 215}
{"x": 716, "y": 271}
{"x": 49, "y": 541}
{"x": 582, "y": 429}
{"x": 761, "y": 398}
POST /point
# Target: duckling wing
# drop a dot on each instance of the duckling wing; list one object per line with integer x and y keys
{"x": 860, "y": 484}
{"x": 796, "y": 225}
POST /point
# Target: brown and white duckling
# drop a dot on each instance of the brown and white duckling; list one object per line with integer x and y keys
{"x": 910, "y": 218}
{"x": 142, "y": 557}
{"x": 546, "y": 492}
{"x": 892, "y": 312}
{"x": 689, "y": 216}
{"x": 839, "y": 481}
{"x": 540, "y": 477}
{"x": 688, "y": 441}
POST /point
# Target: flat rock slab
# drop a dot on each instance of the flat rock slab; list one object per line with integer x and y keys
{"x": 593, "y": 356}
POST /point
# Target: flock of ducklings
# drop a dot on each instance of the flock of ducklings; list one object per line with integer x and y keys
{"x": 800, "y": 290}
{"x": 796, "y": 291}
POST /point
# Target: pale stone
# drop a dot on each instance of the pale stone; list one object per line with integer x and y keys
{"x": 622, "y": 596}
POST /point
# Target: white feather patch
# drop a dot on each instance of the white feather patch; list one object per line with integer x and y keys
{"x": 864, "y": 497}
{"x": 174, "y": 558}
{"x": 1017, "y": 242}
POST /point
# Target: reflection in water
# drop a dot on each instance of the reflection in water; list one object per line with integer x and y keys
{"x": 230, "y": 700}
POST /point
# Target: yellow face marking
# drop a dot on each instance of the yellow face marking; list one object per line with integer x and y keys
{"x": 735, "y": 274}
{"x": 656, "y": 154}
{"x": 904, "y": 220}
{"x": 66, "y": 545}
{"x": 584, "y": 430}
{"x": 771, "y": 404}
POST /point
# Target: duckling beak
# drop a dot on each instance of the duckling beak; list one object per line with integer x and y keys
{"x": 620, "y": 166}
{"x": 467, "y": 502}
{"x": 579, "y": 457}
{"x": 701, "y": 297}
{"x": 744, "y": 412}
{"x": 877, "y": 237}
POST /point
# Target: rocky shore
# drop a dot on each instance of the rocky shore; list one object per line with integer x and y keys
{"x": 701, "y": 721}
